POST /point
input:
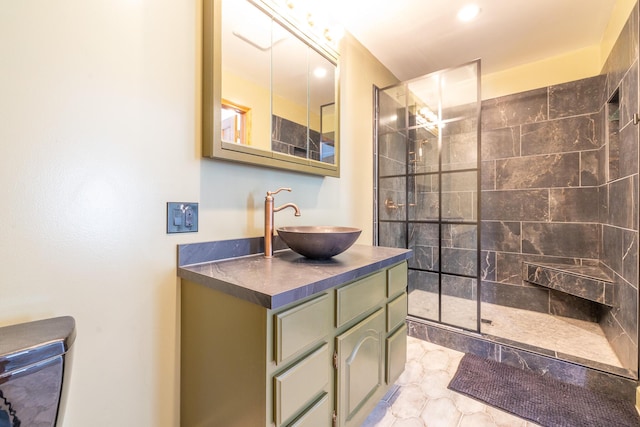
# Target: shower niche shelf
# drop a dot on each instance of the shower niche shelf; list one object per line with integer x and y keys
{"x": 588, "y": 282}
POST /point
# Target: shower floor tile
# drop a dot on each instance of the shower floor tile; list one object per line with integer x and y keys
{"x": 559, "y": 334}
{"x": 421, "y": 398}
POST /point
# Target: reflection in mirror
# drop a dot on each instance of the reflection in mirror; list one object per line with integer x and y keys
{"x": 269, "y": 94}
{"x": 235, "y": 123}
{"x": 290, "y": 119}
{"x": 246, "y": 65}
{"x": 303, "y": 81}
{"x": 322, "y": 117}
{"x": 327, "y": 133}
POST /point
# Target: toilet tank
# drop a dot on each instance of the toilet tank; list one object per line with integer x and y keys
{"x": 35, "y": 361}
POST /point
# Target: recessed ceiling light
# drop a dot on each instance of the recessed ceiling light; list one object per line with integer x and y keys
{"x": 469, "y": 12}
{"x": 320, "y": 72}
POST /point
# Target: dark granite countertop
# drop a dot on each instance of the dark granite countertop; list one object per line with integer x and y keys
{"x": 285, "y": 278}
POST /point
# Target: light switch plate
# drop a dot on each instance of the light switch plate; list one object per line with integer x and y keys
{"x": 182, "y": 217}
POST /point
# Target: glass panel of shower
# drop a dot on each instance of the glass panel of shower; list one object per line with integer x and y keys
{"x": 427, "y": 187}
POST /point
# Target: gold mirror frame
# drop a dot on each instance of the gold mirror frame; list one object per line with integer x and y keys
{"x": 212, "y": 144}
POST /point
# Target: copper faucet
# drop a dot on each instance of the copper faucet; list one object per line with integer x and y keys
{"x": 268, "y": 219}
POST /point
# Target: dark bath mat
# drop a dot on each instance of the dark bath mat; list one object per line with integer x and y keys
{"x": 540, "y": 399}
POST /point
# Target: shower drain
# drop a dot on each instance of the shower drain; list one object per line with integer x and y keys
{"x": 487, "y": 321}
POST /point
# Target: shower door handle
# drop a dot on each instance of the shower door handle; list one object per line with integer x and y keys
{"x": 390, "y": 204}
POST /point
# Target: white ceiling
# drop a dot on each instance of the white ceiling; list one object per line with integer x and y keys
{"x": 416, "y": 37}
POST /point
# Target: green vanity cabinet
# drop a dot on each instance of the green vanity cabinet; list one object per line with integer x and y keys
{"x": 360, "y": 367}
{"x": 301, "y": 326}
{"x": 301, "y": 346}
{"x": 396, "y": 341}
{"x": 396, "y": 353}
{"x": 324, "y": 360}
{"x": 318, "y": 415}
{"x": 370, "y": 354}
{"x": 397, "y": 279}
{"x": 300, "y": 386}
{"x": 359, "y": 297}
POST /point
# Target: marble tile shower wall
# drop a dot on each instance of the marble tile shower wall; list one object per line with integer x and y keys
{"x": 540, "y": 193}
{"x": 555, "y": 190}
{"x": 291, "y": 138}
{"x": 619, "y": 197}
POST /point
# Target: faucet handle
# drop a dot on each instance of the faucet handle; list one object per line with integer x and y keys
{"x": 271, "y": 193}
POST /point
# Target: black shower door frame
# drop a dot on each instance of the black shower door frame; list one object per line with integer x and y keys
{"x": 407, "y": 128}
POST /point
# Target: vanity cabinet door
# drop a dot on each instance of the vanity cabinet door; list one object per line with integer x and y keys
{"x": 358, "y": 297}
{"x": 396, "y": 354}
{"x": 360, "y": 367}
{"x": 318, "y": 415}
{"x": 397, "y": 279}
{"x": 300, "y": 385}
{"x": 396, "y": 312}
{"x": 301, "y": 327}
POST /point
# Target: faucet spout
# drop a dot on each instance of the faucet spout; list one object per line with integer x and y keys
{"x": 288, "y": 205}
{"x": 268, "y": 219}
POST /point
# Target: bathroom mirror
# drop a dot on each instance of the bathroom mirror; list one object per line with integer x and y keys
{"x": 270, "y": 90}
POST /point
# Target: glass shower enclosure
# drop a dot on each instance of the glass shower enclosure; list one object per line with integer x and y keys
{"x": 427, "y": 190}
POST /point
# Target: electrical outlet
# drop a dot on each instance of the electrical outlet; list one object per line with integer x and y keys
{"x": 182, "y": 217}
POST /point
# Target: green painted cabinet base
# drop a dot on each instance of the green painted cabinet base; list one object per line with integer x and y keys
{"x": 325, "y": 360}
{"x": 396, "y": 347}
{"x": 300, "y": 385}
{"x": 360, "y": 361}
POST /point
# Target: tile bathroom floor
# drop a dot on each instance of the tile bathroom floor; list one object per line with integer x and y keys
{"x": 573, "y": 337}
{"x": 420, "y": 397}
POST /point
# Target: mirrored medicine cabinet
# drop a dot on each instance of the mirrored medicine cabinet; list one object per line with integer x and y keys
{"x": 270, "y": 90}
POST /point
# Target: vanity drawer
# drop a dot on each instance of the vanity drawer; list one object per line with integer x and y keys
{"x": 298, "y": 328}
{"x": 396, "y": 312}
{"x": 318, "y": 415}
{"x": 397, "y": 279}
{"x": 300, "y": 385}
{"x": 396, "y": 354}
{"x": 359, "y": 297}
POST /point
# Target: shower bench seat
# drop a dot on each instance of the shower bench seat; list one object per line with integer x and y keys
{"x": 588, "y": 282}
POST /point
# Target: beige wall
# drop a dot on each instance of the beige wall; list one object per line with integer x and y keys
{"x": 559, "y": 69}
{"x": 580, "y": 64}
{"x": 100, "y": 128}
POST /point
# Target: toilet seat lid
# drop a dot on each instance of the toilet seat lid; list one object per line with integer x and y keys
{"x": 31, "y": 343}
